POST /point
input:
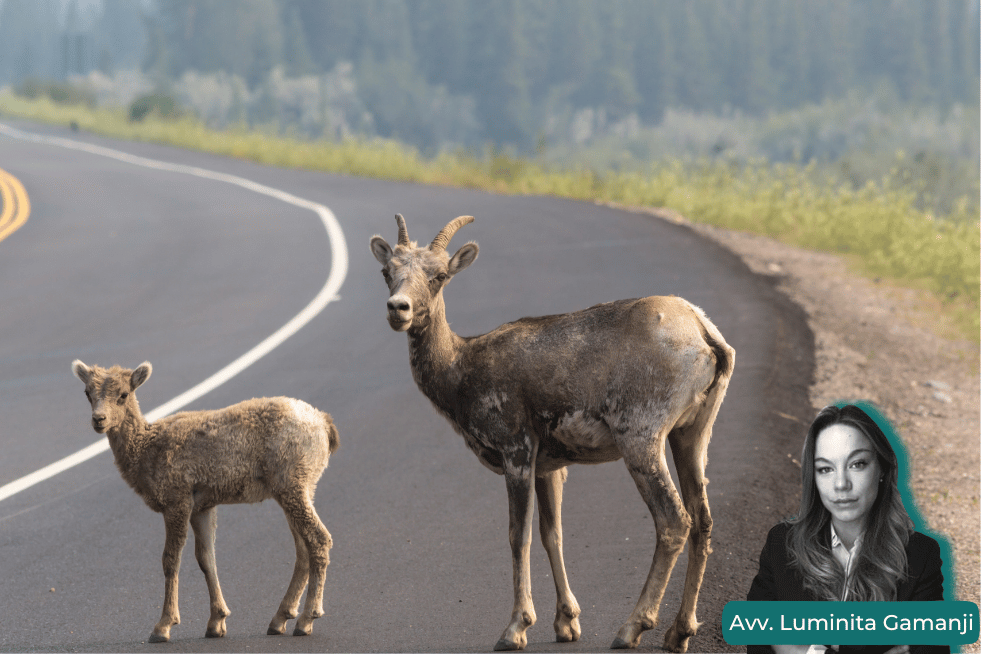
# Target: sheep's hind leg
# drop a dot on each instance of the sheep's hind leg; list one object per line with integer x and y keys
{"x": 305, "y": 522}
{"x": 289, "y": 607}
{"x": 175, "y": 523}
{"x": 204, "y": 524}
{"x": 650, "y": 473}
{"x": 548, "y": 488}
{"x": 689, "y": 446}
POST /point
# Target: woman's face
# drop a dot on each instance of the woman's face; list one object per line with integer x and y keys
{"x": 846, "y": 472}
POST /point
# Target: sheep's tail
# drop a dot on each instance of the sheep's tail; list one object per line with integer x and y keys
{"x": 333, "y": 439}
{"x": 725, "y": 359}
{"x": 725, "y": 356}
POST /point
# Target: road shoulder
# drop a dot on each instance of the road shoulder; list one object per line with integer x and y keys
{"x": 872, "y": 342}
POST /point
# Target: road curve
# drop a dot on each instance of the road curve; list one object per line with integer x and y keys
{"x": 15, "y": 212}
{"x": 15, "y": 206}
{"x": 120, "y": 264}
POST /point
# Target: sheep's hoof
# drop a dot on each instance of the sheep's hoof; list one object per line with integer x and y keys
{"x": 567, "y": 631}
{"x": 157, "y": 638}
{"x": 277, "y": 626}
{"x": 214, "y": 633}
{"x": 629, "y": 635}
{"x": 676, "y": 640}
{"x": 515, "y": 635}
{"x": 304, "y": 627}
{"x": 507, "y": 646}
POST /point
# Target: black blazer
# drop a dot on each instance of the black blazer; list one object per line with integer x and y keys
{"x": 778, "y": 580}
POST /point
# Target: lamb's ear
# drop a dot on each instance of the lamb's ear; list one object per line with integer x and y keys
{"x": 82, "y": 371}
{"x": 463, "y": 258}
{"x": 381, "y": 249}
{"x": 140, "y": 375}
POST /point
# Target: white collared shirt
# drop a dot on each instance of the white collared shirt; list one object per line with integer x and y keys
{"x": 846, "y": 557}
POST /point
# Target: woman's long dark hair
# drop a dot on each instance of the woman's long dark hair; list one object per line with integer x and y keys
{"x": 881, "y": 562}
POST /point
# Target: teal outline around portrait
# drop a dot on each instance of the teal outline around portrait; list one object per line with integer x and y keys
{"x": 906, "y": 493}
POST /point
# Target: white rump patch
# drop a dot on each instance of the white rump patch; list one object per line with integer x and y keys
{"x": 304, "y": 412}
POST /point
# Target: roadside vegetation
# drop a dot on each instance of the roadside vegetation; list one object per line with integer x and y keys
{"x": 916, "y": 224}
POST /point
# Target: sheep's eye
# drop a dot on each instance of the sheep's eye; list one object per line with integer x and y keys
{"x": 441, "y": 277}
{"x": 385, "y": 274}
{"x": 122, "y": 398}
{"x": 88, "y": 395}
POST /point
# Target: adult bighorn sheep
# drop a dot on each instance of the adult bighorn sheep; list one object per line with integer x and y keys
{"x": 186, "y": 464}
{"x": 532, "y": 396}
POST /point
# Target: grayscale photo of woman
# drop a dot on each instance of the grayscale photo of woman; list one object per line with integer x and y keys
{"x": 852, "y": 539}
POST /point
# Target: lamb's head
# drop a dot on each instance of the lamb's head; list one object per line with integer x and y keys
{"x": 110, "y": 392}
{"x": 416, "y": 275}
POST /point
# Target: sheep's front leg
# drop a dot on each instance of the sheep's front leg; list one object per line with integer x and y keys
{"x": 175, "y": 524}
{"x": 204, "y": 524}
{"x": 519, "y": 475}
{"x": 548, "y": 488}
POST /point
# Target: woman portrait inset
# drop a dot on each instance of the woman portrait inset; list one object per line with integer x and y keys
{"x": 852, "y": 539}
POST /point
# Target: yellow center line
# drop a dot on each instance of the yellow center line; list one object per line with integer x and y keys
{"x": 6, "y": 201}
{"x": 16, "y": 205}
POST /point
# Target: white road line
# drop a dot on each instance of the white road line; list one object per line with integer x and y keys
{"x": 327, "y": 294}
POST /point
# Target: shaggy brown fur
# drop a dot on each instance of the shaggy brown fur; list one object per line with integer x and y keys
{"x": 617, "y": 380}
{"x": 186, "y": 464}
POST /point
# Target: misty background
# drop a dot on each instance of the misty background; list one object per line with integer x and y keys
{"x": 854, "y": 85}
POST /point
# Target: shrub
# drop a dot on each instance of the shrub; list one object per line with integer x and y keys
{"x": 63, "y": 93}
{"x": 163, "y": 105}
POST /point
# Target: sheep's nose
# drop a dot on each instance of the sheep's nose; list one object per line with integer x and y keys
{"x": 398, "y": 304}
{"x": 98, "y": 420}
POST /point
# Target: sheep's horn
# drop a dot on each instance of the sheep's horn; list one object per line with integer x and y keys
{"x": 403, "y": 232}
{"x": 443, "y": 238}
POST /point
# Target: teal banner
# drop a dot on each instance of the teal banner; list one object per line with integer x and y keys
{"x": 850, "y": 623}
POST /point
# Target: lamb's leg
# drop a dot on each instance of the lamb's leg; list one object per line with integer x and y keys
{"x": 649, "y": 469}
{"x": 548, "y": 488}
{"x": 519, "y": 473}
{"x": 305, "y": 521}
{"x": 204, "y": 524}
{"x": 175, "y": 524}
{"x": 290, "y": 605}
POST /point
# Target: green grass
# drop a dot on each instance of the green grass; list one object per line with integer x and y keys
{"x": 878, "y": 226}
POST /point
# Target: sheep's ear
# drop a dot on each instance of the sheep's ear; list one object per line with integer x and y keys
{"x": 463, "y": 258}
{"x": 140, "y": 375}
{"x": 381, "y": 249}
{"x": 82, "y": 371}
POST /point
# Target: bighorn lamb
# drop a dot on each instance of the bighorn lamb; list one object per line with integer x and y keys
{"x": 186, "y": 464}
{"x": 532, "y": 396}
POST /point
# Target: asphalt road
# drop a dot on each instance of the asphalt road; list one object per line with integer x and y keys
{"x": 120, "y": 263}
